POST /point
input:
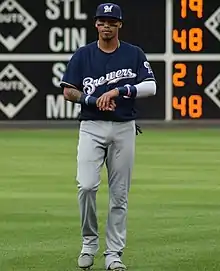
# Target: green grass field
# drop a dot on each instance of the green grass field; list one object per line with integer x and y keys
{"x": 174, "y": 202}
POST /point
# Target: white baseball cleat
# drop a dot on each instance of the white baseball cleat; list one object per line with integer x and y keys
{"x": 117, "y": 266}
{"x": 85, "y": 261}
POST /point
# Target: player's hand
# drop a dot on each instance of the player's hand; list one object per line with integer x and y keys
{"x": 109, "y": 107}
{"x": 106, "y": 101}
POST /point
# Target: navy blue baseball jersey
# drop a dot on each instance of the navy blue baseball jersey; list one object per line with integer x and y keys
{"x": 95, "y": 72}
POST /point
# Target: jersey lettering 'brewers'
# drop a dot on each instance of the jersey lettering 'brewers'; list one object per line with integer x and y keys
{"x": 106, "y": 77}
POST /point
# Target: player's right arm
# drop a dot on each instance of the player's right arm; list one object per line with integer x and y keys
{"x": 72, "y": 81}
{"x": 72, "y": 94}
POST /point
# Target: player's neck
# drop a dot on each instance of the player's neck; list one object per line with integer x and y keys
{"x": 108, "y": 46}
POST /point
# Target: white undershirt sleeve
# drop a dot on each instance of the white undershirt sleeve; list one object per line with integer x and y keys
{"x": 146, "y": 88}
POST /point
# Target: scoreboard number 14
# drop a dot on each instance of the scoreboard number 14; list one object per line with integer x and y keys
{"x": 194, "y": 5}
{"x": 191, "y": 39}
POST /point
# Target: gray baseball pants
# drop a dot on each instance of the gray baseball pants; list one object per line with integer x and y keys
{"x": 94, "y": 138}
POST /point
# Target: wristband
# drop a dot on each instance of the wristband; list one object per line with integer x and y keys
{"x": 87, "y": 99}
{"x": 129, "y": 91}
{"x": 90, "y": 100}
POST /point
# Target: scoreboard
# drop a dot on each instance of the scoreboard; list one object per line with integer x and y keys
{"x": 196, "y": 60}
{"x": 181, "y": 39}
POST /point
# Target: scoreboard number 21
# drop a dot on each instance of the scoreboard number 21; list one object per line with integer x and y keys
{"x": 182, "y": 72}
{"x": 192, "y": 105}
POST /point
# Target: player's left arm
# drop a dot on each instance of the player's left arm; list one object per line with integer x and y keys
{"x": 145, "y": 84}
{"x": 145, "y": 81}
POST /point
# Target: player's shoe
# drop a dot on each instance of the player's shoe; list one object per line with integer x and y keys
{"x": 85, "y": 261}
{"x": 117, "y": 266}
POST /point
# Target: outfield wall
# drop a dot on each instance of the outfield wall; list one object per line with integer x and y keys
{"x": 180, "y": 38}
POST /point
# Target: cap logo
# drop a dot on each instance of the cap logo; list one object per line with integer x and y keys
{"x": 108, "y": 8}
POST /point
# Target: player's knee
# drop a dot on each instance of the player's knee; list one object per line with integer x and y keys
{"x": 119, "y": 197}
{"x": 87, "y": 187}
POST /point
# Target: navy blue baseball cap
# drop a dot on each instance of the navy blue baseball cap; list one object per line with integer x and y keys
{"x": 110, "y": 10}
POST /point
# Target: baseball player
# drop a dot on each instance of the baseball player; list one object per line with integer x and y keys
{"x": 106, "y": 77}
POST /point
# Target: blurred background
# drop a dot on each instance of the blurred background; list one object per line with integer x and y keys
{"x": 173, "y": 221}
{"x": 181, "y": 40}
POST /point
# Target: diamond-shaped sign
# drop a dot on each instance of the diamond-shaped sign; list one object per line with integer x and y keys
{"x": 10, "y": 77}
{"x": 11, "y": 12}
{"x": 213, "y": 23}
{"x": 213, "y": 90}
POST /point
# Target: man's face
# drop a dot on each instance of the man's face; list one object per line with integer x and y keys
{"x": 108, "y": 28}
